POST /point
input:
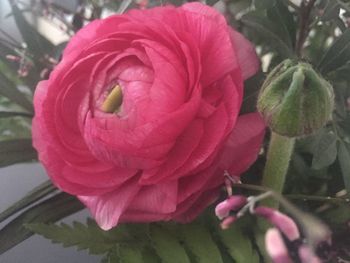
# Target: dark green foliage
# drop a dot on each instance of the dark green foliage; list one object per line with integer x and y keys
{"x": 264, "y": 4}
{"x": 266, "y": 28}
{"x": 238, "y": 244}
{"x": 36, "y": 194}
{"x": 47, "y": 211}
{"x": 88, "y": 236}
{"x": 344, "y": 161}
{"x": 16, "y": 151}
{"x": 337, "y": 55}
{"x": 9, "y": 90}
{"x": 37, "y": 44}
{"x": 192, "y": 243}
{"x": 8, "y": 114}
{"x": 325, "y": 150}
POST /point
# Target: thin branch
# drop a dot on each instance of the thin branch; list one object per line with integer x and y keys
{"x": 291, "y": 4}
{"x": 259, "y": 188}
{"x": 314, "y": 230}
{"x": 123, "y": 6}
{"x": 304, "y": 25}
{"x": 318, "y": 198}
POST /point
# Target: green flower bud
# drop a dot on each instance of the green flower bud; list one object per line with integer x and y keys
{"x": 295, "y": 100}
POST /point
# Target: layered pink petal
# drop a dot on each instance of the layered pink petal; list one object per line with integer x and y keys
{"x": 156, "y": 199}
{"x": 243, "y": 145}
{"x": 89, "y": 33}
{"x": 209, "y": 28}
{"x": 246, "y": 55}
{"x": 108, "y": 208}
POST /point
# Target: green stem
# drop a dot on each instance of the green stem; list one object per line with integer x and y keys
{"x": 274, "y": 176}
{"x": 276, "y": 167}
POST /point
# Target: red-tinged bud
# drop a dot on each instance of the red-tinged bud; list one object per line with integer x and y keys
{"x": 23, "y": 71}
{"x": 307, "y": 255}
{"x": 275, "y": 247}
{"x": 233, "y": 203}
{"x": 13, "y": 58}
{"x": 283, "y": 222}
{"x": 228, "y": 221}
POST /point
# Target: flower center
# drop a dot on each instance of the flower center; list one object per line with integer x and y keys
{"x": 113, "y": 100}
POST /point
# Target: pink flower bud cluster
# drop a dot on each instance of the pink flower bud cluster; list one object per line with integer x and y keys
{"x": 24, "y": 64}
{"x": 283, "y": 235}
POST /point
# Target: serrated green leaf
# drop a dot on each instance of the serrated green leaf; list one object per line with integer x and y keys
{"x": 8, "y": 114}
{"x": 83, "y": 236}
{"x": 9, "y": 90}
{"x": 37, "y": 43}
{"x": 91, "y": 237}
{"x": 199, "y": 241}
{"x": 167, "y": 246}
{"x": 337, "y": 55}
{"x": 344, "y": 161}
{"x": 325, "y": 151}
{"x": 16, "y": 151}
{"x": 150, "y": 256}
{"x": 266, "y": 29}
{"x": 111, "y": 257}
{"x": 130, "y": 254}
{"x": 48, "y": 211}
{"x": 33, "y": 196}
{"x": 238, "y": 244}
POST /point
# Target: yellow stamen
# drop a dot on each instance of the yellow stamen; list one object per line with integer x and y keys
{"x": 113, "y": 100}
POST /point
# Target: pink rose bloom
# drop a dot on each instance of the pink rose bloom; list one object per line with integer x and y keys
{"x": 161, "y": 154}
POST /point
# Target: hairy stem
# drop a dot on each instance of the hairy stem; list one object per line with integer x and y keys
{"x": 278, "y": 157}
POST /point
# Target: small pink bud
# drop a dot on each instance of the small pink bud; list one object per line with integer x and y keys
{"x": 235, "y": 202}
{"x": 23, "y": 72}
{"x": 225, "y": 224}
{"x": 142, "y": 3}
{"x": 52, "y": 60}
{"x": 275, "y": 247}
{"x": 307, "y": 255}
{"x": 44, "y": 73}
{"x": 13, "y": 58}
{"x": 283, "y": 222}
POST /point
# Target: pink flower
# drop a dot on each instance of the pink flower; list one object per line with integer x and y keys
{"x": 232, "y": 203}
{"x": 276, "y": 247}
{"x": 161, "y": 154}
{"x": 283, "y": 222}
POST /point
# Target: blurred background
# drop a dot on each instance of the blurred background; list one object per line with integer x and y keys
{"x": 19, "y": 179}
